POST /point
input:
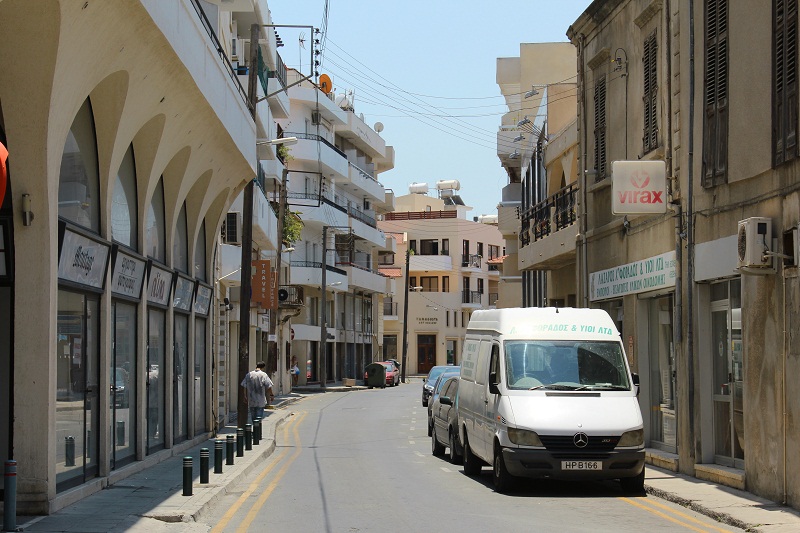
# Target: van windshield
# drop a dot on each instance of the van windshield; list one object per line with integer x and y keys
{"x": 565, "y": 365}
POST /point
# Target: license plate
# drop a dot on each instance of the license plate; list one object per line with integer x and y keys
{"x": 581, "y": 465}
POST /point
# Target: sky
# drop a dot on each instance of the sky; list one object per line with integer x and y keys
{"x": 426, "y": 70}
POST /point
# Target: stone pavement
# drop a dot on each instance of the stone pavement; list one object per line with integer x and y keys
{"x": 152, "y": 500}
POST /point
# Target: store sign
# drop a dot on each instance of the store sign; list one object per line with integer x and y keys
{"x": 159, "y": 285}
{"x": 637, "y": 276}
{"x": 638, "y": 187}
{"x": 127, "y": 274}
{"x": 264, "y": 286}
{"x": 184, "y": 289}
{"x": 202, "y": 300}
{"x": 82, "y": 259}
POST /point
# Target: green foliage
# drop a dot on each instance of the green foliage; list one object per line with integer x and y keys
{"x": 292, "y": 227}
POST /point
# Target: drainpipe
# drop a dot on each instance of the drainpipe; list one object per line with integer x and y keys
{"x": 786, "y": 340}
{"x": 583, "y": 282}
{"x": 690, "y": 237}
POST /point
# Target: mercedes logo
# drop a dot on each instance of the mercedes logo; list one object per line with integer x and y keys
{"x": 581, "y": 440}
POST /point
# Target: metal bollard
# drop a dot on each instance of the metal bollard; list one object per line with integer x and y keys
{"x": 187, "y": 476}
{"x": 219, "y": 444}
{"x": 69, "y": 451}
{"x": 229, "y": 447}
{"x": 204, "y": 456}
{"x": 248, "y": 437}
{"x": 10, "y": 497}
{"x": 256, "y": 431}
{"x": 239, "y": 442}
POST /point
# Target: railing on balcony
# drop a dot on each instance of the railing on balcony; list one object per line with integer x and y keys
{"x": 359, "y": 215}
{"x": 294, "y": 296}
{"x": 390, "y": 308}
{"x": 363, "y": 172}
{"x": 420, "y": 215}
{"x": 365, "y": 269}
{"x": 493, "y": 297}
{"x": 493, "y": 267}
{"x": 315, "y": 137}
{"x": 470, "y": 260}
{"x": 280, "y": 70}
{"x": 471, "y": 297}
{"x": 555, "y": 213}
{"x": 317, "y": 264}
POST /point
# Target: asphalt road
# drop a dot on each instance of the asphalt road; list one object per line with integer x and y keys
{"x": 361, "y": 461}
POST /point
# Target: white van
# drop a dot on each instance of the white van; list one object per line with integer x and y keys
{"x": 548, "y": 393}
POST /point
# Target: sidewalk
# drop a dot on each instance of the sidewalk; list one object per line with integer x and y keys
{"x": 157, "y": 492}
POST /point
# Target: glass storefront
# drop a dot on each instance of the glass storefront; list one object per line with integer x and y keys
{"x": 156, "y": 346}
{"x": 663, "y": 432}
{"x": 200, "y": 418}
{"x": 180, "y": 384}
{"x": 122, "y": 402}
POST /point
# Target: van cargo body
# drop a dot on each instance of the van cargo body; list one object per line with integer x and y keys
{"x": 548, "y": 393}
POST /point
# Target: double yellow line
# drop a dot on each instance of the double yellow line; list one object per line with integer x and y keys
{"x": 265, "y": 493}
{"x": 652, "y": 506}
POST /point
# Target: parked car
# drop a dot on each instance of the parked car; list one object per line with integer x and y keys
{"x": 444, "y": 412}
{"x": 430, "y": 381}
{"x": 392, "y": 374}
{"x": 437, "y": 387}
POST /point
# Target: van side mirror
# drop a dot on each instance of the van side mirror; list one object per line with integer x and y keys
{"x": 445, "y": 400}
{"x": 493, "y": 388}
{"x": 636, "y": 382}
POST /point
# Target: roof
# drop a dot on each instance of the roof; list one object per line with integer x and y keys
{"x": 496, "y": 260}
{"x": 392, "y": 272}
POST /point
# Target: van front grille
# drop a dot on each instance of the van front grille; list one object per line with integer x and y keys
{"x": 566, "y": 444}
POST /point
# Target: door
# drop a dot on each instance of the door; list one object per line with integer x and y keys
{"x": 662, "y": 375}
{"x": 426, "y": 353}
{"x": 123, "y": 384}
{"x": 728, "y": 390}
{"x": 156, "y": 346}
{"x": 200, "y": 395}
{"x": 180, "y": 382}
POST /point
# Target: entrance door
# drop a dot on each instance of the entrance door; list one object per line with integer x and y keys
{"x": 426, "y": 353}
{"x": 452, "y": 346}
{"x": 662, "y": 376}
{"x": 123, "y": 384}
{"x": 180, "y": 381}
{"x": 728, "y": 391}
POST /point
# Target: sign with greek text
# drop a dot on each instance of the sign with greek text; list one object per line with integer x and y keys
{"x": 184, "y": 289}
{"x": 202, "y": 300}
{"x": 637, "y": 276}
{"x": 638, "y": 187}
{"x": 159, "y": 285}
{"x": 82, "y": 259}
{"x": 127, "y": 274}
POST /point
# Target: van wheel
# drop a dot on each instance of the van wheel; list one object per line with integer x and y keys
{"x": 633, "y": 485}
{"x": 436, "y": 448}
{"x": 455, "y": 458}
{"x": 472, "y": 465}
{"x": 502, "y": 479}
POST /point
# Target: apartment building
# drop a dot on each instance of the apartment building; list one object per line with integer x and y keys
{"x": 446, "y": 266}
{"x": 333, "y": 287}
{"x": 705, "y": 290}
{"x": 128, "y": 136}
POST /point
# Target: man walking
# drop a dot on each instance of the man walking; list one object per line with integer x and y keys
{"x": 258, "y": 386}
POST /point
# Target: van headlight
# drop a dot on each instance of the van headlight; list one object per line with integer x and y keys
{"x": 524, "y": 437}
{"x": 631, "y": 438}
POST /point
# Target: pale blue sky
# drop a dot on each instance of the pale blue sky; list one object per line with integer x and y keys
{"x": 426, "y": 70}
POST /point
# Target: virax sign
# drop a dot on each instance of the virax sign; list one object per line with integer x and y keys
{"x": 639, "y": 187}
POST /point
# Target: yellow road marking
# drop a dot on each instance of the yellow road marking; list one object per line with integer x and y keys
{"x": 684, "y": 515}
{"x": 250, "y": 490}
{"x": 663, "y": 515}
{"x": 251, "y": 515}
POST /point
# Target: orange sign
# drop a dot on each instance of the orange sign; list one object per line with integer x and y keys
{"x": 263, "y": 283}
{"x": 3, "y": 172}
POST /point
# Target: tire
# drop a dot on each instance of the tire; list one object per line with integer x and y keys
{"x": 472, "y": 465}
{"x": 455, "y": 458}
{"x": 503, "y": 481}
{"x": 424, "y": 403}
{"x": 437, "y": 449}
{"x": 633, "y": 485}
{"x": 430, "y": 428}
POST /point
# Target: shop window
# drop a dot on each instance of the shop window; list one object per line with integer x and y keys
{"x": 124, "y": 219}
{"x": 154, "y": 242}
{"x": 79, "y": 186}
{"x": 180, "y": 245}
{"x": 200, "y": 254}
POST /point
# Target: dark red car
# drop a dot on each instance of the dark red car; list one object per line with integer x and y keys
{"x": 392, "y": 374}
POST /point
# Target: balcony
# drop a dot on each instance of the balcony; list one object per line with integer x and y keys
{"x": 272, "y": 83}
{"x": 471, "y": 299}
{"x": 309, "y": 273}
{"x": 387, "y": 203}
{"x": 317, "y": 210}
{"x": 547, "y": 240}
{"x": 365, "y": 227}
{"x": 362, "y": 136}
{"x": 493, "y": 297}
{"x": 366, "y": 183}
{"x": 312, "y": 150}
{"x": 431, "y": 263}
{"x": 363, "y": 278}
{"x": 390, "y": 310}
{"x": 471, "y": 262}
{"x": 294, "y": 297}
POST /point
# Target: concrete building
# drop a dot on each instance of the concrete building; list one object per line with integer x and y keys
{"x": 129, "y": 136}
{"x": 704, "y": 292}
{"x": 334, "y": 188}
{"x": 451, "y": 272}
{"x": 537, "y": 145}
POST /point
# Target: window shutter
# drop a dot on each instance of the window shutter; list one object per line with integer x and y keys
{"x": 784, "y": 114}
{"x": 600, "y": 128}
{"x": 715, "y": 127}
{"x": 650, "y": 69}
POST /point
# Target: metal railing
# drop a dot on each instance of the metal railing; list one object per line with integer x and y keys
{"x": 470, "y": 260}
{"x": 363, "y": 172}
{"x": 317, "y": 264}
{"x": 390, "y": 308}
{"x": 359, "y": 215}
{"x": 420, "y": 215}
{"x": 471, "y": 297}
{"x": 315, "y": 137}
{"x": 553, "y": 214}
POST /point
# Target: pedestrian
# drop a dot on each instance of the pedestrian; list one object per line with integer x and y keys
{"x": 295, "y": 370}
{"x": 259, "y": 389}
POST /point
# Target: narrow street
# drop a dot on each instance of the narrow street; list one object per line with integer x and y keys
{"x": 361, "y": 461}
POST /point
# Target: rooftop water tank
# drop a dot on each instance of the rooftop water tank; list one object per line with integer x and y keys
{"x": 487, "y": 219}
{"x": 448, "y": 184}
{"x": 418, "y": 188}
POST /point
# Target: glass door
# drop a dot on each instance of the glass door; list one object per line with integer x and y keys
{"x": 728, "y": 391}
{"x": 200, "y": 420}
{"x": 123, "y": 384}
{"x": 156, "y": 344}
{"x": 663, "y": 423}
{"x": 180, "y": 384}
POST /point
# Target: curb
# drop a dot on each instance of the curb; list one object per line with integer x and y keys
{"x": 722, "y": 518}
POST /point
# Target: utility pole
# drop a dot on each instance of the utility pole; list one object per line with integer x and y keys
{"x": 323, "y": 326}
{"x": 274, "y": 315}
{"x": 405, "y": 319}
{"x": 247, "y": 246}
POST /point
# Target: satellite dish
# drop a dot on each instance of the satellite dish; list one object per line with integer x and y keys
{"x": 379, "y": 127}
{"x": 325, "y": 83}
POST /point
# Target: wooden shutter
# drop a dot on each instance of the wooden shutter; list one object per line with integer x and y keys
{"x": 600, "y": 128}
{"x": 715, "y": 101}
{"x": 650, "y": 64}
{"x": 784, "y": 111}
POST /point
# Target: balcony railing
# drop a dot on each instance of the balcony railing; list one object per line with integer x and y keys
{"x": 493, "y": 297}
{"x": 420, "y": 215}
{"x": 390, "y": 308}
{"x": 555, "y": 213}
{"x": 359, "y": 215}
{"x": 317, "y": 264}
{"x": 471, "y": 297}
{"x": 493, "y": 267}
{"x": 471, "y": 260}
{"x": 364, "y": 173}
{"x": 315, "y": 137}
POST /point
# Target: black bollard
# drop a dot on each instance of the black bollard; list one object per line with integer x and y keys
{"x": 69, "y": 451}
{"x": 256, "y": 431}
{"x": 218, "y": 451}
{"x": 229, "y": 447}
{"x": 239, "y": 442}
{"x": 187, "y": 476}
{"x": 248, "y": 437}
{"x": 203, "y": 465}
{"x": 10, "y": 497}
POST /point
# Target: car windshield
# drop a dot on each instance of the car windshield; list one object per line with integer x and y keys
{"x": 435, "y": 373}
{"x": 389, "y": 367}
{"x": 442, "y": 379}
{"x": 565, "y": 365}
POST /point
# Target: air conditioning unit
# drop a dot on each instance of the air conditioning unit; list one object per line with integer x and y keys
{"x": 754, "y": 236}
{"x": 232, "y": 228}
{"x": 316, "y": 118}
